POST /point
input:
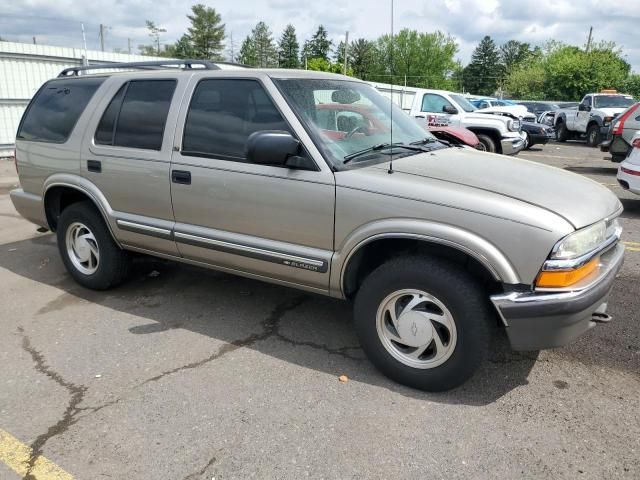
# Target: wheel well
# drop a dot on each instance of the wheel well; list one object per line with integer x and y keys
{"x": 372, "y": 255}
{"x": 592, "y": 123}
{"x": 559, "y": 121}
{"x": 57, "y": 199}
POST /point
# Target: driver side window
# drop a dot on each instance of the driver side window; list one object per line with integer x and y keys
{"x": 434, "y": 103}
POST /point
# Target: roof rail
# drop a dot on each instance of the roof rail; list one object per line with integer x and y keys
{"x": 153, "y": 65}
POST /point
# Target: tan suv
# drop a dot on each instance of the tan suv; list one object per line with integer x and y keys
{"x": 246, "y": 172}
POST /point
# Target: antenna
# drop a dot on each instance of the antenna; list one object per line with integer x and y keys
{"x": 391, "y": 102}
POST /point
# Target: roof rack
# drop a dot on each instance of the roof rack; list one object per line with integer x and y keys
{"x": 153, "y": 65}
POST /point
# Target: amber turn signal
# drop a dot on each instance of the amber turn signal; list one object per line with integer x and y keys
{"x": 567, "y": 278}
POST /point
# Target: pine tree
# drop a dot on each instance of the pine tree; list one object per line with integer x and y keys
{"x": 485, "y": 71}
{"x": 206, "y": 33}
{"x": 265, "y": 49}
{"x": 288, "y": 48}
{"x": 247, "y": 53}
{"x": 319, "y": 46}
{"x": 361, "y": 57}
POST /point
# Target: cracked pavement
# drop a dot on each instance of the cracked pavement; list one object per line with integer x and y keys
{"x": 189, "y": 374}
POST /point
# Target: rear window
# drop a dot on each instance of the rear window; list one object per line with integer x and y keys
{"x": 55, "y": 109}
{"x": 137, "y": 115}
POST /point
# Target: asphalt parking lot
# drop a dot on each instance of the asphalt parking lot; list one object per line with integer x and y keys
{"x": 184, "y": 373}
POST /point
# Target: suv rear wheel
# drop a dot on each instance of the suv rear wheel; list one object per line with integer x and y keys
{"x": 87, "y": 249}
{"x": 423, "y": 322}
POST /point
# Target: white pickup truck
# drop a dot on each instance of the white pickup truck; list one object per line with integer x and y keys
{"x": 592, "y": 118}
{"x": 439, "y": 108}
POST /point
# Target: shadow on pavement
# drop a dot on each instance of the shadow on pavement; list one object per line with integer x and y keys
{"x": 631, "y": 207}
{"x": 171, "y": 295}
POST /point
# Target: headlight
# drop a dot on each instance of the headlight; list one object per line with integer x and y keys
{"x": 514, "y": 125}
{"x": 580, "y": 242}
{"x": 606, "y": 120}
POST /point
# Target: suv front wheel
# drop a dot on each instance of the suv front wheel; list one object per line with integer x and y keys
{"x": 423, "y": 322}
{"x": 87, "y": 249}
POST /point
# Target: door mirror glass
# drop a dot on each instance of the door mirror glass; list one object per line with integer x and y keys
{"x": 450, "y": 109}
{"x": 583, "y": 107}
{"x": 271, "y": 147}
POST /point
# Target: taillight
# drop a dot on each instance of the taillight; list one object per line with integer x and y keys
{"x": 636, "y": 143}
{"x": 618, "y": 127}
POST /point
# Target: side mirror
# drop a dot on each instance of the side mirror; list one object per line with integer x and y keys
{"x": 583, "y": 107}
{"x": 276, "y": 147}
{"x": 450, "y": 110}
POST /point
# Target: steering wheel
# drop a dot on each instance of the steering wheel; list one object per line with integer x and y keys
{"x": 359, "y": 128}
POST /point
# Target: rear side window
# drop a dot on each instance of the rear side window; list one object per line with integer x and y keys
{"x": 54, "y": 111}
{"x": 223, "y": 114}
{"x": 137, "y": 115}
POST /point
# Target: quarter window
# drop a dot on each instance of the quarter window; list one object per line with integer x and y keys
{"x": 137, "y": 115}
{"x": 223, "y": 114}
{"x": 56, "y": 108}
{"x": 434, "y": 103}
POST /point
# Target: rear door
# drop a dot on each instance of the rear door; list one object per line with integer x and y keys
{"x": 127, "y": 154}
{"x": 266, "y": 221}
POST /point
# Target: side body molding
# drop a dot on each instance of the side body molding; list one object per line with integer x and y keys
{"x": 477, "y": 247}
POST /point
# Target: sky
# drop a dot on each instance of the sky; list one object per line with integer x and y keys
{"x": 534, "y": 21}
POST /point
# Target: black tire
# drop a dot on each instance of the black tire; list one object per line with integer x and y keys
{"x": 459, "y": 293}
{"x": 593, "y": 135}
{"x": 562, "y": 134}
{"x": 113, "y": 265}
{"x": 527, "y": 141}
{"x": 488, "y": 142}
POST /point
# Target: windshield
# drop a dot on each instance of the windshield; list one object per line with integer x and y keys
{"x": 612, "y": 101}
{"x": 345, "y": 117}
{"x": 464, "y": 103}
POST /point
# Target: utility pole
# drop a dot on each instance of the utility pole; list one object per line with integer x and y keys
{"x": 101, "y": 35}
{"x": 346, "y": 51}
{"x": 34, "y": 40}
{"x": 589, "y": 39}
{"x": 129, "y": 45}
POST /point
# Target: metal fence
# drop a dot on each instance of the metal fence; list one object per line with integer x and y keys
{"x": 25, "y": 67}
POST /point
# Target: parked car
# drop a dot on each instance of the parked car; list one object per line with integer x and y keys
{"x": 629, "y": 169}
{"x": 435, "y": 245}
{"x": 592, "y": 118}
{"x": 537, "y": 108}
{"x": 621, "y": 133}
{"x": 440, "y": 108}
{"x": 536, "y": 134}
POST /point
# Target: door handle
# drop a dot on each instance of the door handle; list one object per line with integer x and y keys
{"x": 94, "y": 166}
{"x": 181, "y": 176}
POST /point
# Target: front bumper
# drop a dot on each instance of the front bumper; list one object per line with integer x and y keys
{"x": 540, "y": 138}
{"x": 511, "y": 145}
{"x": 539, "y": 320}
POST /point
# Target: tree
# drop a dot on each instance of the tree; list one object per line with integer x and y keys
{"x": 247, "y": 53}
{"x": 485, "y": 71}
{"x": 632, "y": 85}
{"x": 288, "y": 48}
{"x": 154, "y": 33}
{"x": 319, "y": 46}
{"x": 206, "y": 33}
{"x": 258, "y": 49}
{"x": 361, "y": 57}
{"x": 513, "y": 53}
{"x": 181, "y": 49}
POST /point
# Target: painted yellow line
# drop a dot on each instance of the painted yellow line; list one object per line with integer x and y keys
{"x": 632, "y": 244}
{"x": 16, "y": 454}
{"x": 631, "y": 249}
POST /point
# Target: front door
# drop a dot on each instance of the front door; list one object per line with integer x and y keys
{"x": 266, "y": 221}
{"x": 433, "y": 108}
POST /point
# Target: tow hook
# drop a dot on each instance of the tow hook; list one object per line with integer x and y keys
{"x": 599, "y": 317}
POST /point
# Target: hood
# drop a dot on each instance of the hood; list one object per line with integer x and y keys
{"x": 517, "y": 110}
{"x": 611, "y": 112}
{"x": 577, "y": 199}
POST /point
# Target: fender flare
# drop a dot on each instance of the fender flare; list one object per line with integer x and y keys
{"x": 485, "y": 252}
{"x": 90, "y": 190}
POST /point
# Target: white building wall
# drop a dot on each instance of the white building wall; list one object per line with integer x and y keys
{"x": 25, "y": 67}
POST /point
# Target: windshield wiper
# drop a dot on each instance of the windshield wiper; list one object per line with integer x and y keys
{"x": 425, "y": 141}
{"x": 382, "y": 146}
